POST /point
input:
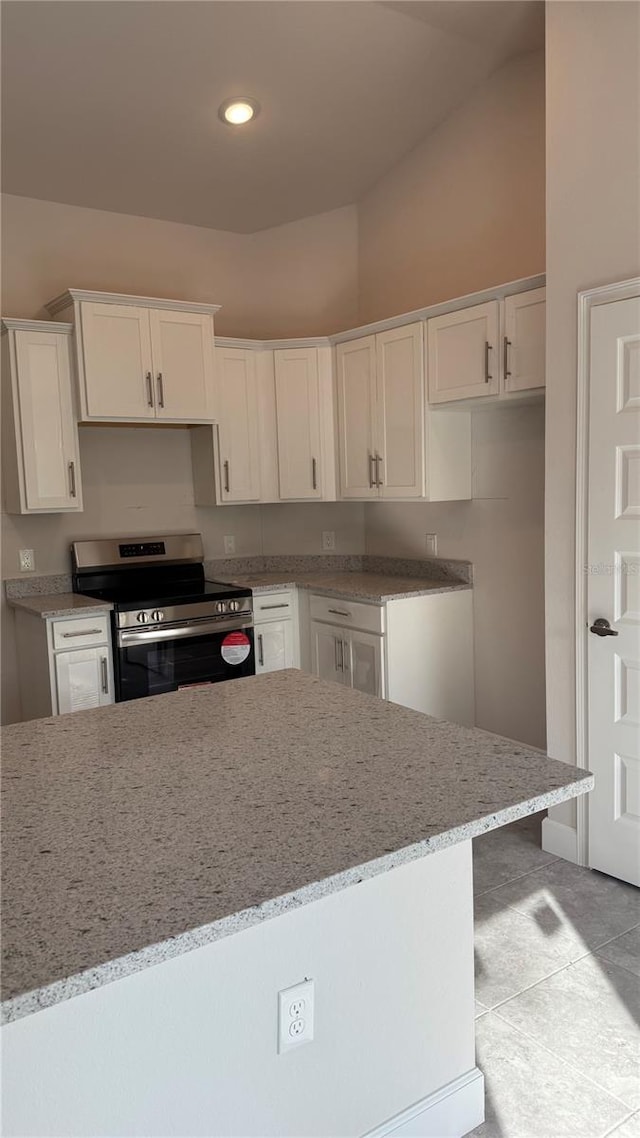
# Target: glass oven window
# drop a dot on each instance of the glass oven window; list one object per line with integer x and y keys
{"x": 166, "y": 665}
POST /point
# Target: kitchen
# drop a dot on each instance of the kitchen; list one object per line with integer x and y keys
{"x": 315, "y": 297}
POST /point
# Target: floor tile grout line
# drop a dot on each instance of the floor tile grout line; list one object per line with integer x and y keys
{"x": 616, "y": 937}
{"x": 512, "y": 880}
{"x": 576, "y": 1070}
{"x": 562, "y": 968}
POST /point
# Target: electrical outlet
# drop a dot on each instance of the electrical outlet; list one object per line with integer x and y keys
{"x": 27, "y": 560}
{"x": 295, "y": 1016}
{"x": 229, "y": 544}
{"x": 431, "y": 543}
{"x": 328, "y": 540}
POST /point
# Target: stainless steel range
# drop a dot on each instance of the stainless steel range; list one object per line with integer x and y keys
{"x": 172, "y": 628}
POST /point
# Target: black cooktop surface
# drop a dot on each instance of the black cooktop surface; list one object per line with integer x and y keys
{"x": 138, "y": 595}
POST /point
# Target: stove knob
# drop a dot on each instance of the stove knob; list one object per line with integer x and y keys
{"x": 157, "y": 615}
{"x": 142, "y": 617}
{"x": 221, "y": 606}
{"x": 234, "y": 606}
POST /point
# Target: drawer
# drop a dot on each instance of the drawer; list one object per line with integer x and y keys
{"x": 272, "y": 606}
{"x": 348, "y": 614}
{"x": 80, "y": 631}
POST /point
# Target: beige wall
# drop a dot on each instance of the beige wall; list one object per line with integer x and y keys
{"x": 501, "y": 531}
{"x": 593, "y": 238}
{"x": 465, "y": 210}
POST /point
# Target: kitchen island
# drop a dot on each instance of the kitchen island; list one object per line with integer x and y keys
{"x": 172, "y": 864}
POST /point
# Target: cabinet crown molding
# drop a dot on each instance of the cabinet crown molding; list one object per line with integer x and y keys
{"x": 16, "y": 324}
{"x": 77, "y": 295}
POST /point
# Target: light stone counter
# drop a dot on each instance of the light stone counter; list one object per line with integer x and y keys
{"x": 136, "y": 832}
{"x": 349, "y": 585}
{"x": 59, "y": 604}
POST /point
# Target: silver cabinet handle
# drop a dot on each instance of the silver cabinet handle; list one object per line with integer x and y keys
{"x": 314, "y": 473}
{"x": 339, "y": 612}
{"x": 160, "y": 390}
{"x": 72, "y": 479}
{"x": 227, "y": 483}
{"x": 507, "y": 345}
{"x": 260, "y": 650}
{"x": 284, "y": 605}
{"x": 341, "y": 643}
{"x": 345, "y": 663}
{"x": 487, "y": 348}
{"x": 84, "y": 632}
{"x": 335, "y": 651}
{"x": 371, "y": 478}
{"x": 105, "y": 674}
{"x": 378, "y": 478}
{"x": 149, "y": 379}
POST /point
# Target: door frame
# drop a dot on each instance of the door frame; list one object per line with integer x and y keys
{"x": 588, "y": 299}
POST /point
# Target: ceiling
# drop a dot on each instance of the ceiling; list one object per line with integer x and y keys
{"x": 113, "y": 104}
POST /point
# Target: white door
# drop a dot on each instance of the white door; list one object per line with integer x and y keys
{"x": 274, "y": 646}
{"x": 462, "y": 350}
{"x": 298, "y": 423}
{"x": 51, "y": 469}
{"x": 118, "y": 368}
{"x": 364, "y": 664}
{"x": 83, "y": 679}
{"x": 237, "y": 408}
{"x": 356, "y": 393}
{"x": 182, "y": 347}
{"x": 613, "y": 589}
{"x": 328, "y": 655}
{"x": 523, "y": 344}
{"x": 400, "y": 404}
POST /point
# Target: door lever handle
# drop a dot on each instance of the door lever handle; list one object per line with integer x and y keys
{"x": 601, "y": 627}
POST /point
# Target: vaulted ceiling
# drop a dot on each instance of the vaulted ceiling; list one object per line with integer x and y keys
{"x": 113, "y": 104}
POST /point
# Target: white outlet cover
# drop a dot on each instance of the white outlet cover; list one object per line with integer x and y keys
{"x": 229, "y": 543}
{"x": 431, "y": 543}
{"x": 295, "y": 1016}
{"x": 27, "y": 560}
{"x": 328, "y": 539}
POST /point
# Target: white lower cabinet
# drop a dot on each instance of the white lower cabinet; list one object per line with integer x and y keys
{"x": 274, "y": 646}
{"x": 351, "y": 658}
{"x": 82, "y": 679}
{"x": 64, "y": 663}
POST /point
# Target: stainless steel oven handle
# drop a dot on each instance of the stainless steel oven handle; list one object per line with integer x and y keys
{"x": 181, "y": 632}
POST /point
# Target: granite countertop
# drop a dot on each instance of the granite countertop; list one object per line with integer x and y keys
{"x": 349, "y": 585}
{"x": 136, "y": 832}
{"x": 59, "y": 604}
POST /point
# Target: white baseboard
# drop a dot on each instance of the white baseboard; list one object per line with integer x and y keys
{"x": 560, "y": 839}
{"x": 449, "y": 1112}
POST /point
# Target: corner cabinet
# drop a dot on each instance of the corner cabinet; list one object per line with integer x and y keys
{"x": 304, "y": 423}
{"x": 492, "y": 349}
{"x": 40, "y": 438}
{"x": 140, "y": 359}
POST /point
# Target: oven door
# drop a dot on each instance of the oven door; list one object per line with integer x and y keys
{"x": 151, "y": 661}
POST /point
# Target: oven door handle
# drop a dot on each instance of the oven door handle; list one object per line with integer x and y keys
{"x": 166, "y": 632}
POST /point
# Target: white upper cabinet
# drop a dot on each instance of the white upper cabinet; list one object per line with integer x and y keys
{"x": 140, "y": 359}
{"x": 463, "y": 356}
{"x": 298, "y": 422}
{"x": 524, "y": 341}
{"x": 238, "y": 435}
{"x": 400, "y": 413}
{"x": 356, "y": 395}
{"x": 497, "y": 348}
{"x": 40, "y": 438}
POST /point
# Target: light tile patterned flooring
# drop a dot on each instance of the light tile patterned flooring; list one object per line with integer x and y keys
{"x": 558, "y": 993}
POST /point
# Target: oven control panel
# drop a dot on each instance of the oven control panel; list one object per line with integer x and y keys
{"x": 142, "y": 549}
{"x": 240, "y": 609}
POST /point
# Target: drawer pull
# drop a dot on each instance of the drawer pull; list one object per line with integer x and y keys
{"x": 283, "y": 605}
{"x": 339, "y": 612}
{"x": 84, "y": 632}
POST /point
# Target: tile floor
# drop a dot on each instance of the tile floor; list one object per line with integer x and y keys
{"x": 558, "y": 993}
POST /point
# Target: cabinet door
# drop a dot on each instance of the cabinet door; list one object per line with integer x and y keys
{"x": 463, "y": 353}
{"x": 364, "y": 662}
{"x": 116, "y": 362}
{"x": 83, "y": 679}
{"x": 328, "y": 655}
{"x": 182, "y": 346}
{"x": 401, "y": 421}
{"x": 47, "y": 428}
{"x": 356, "y": 393}
{"x": 274, "y": 646}
{"x": 298, "y": 423}
{"x": 237, "y": 407}
{"x": 524, "y": 340}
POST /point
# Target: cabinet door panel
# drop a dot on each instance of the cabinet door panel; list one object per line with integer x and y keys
{"x": 51, "y": 468}
{"x": 524, "y": 344}
{"x": 356, "y": 390}
{"x": 83, "y": 679}
{"x": 463, "y": 353}
{"x": 239, "y": 444}
{"x": 400, "y": 405}
{"x": 117, "y": 363}
{"x": 328, "y": 653}
{"x": 182, "y": 344}
{"x": 274, "y": 646}
{"x": 298, "y": 423}
{"x": 365, "y": 665}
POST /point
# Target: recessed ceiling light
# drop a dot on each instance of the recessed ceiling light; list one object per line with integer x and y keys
{"x": 237, "y": 111}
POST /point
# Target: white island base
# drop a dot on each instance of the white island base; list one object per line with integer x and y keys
{"x": 189, "y": 1046}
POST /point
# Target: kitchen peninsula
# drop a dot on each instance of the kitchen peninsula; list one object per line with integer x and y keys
{"x": 172, "y": 864}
